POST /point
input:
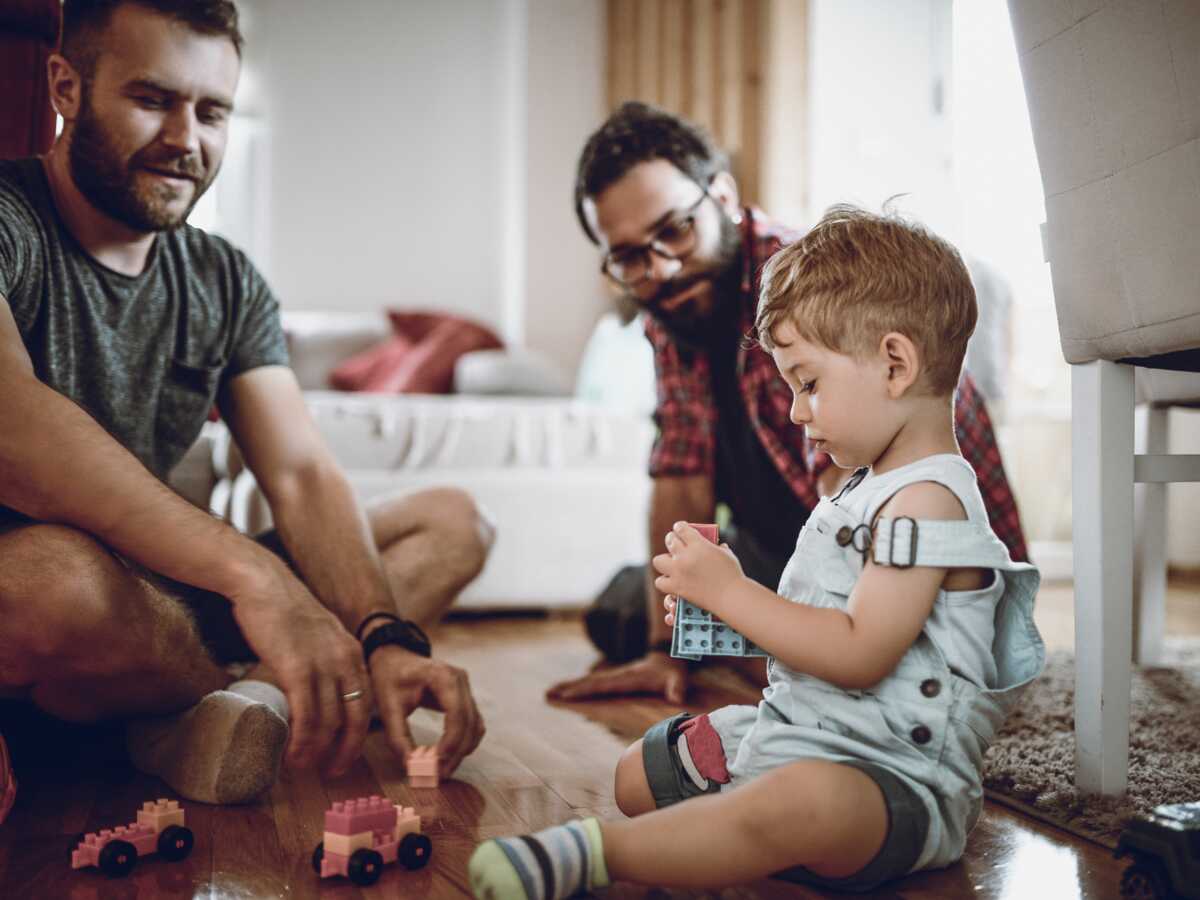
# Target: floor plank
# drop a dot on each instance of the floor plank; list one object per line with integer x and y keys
{"x": 541, "y": 763}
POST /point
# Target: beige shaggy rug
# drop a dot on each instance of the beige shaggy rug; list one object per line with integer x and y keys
{"x": 1031, "y": 765}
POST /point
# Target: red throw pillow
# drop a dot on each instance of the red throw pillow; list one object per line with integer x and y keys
{"x": 418, "y": 359}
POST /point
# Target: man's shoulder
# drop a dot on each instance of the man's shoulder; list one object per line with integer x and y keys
{"x": 19, "y": 187}
{"x": 198, "y": 249}
{"x": 771, "y": 234}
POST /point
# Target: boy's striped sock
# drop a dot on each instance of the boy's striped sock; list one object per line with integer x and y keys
{"x": 563, "y": 861}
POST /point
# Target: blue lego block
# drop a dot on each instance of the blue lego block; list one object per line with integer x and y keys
{"x": 697, "y": 633}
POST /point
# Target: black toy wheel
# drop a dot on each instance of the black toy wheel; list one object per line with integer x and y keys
{"x": 365, "y": 866}
{"x": 318, "y": 856}
{"x": 1145, "y": 880}
{"x": 118, "y": 858}
{"x": 414, "y": 851}
{"x": 175, "y": 842}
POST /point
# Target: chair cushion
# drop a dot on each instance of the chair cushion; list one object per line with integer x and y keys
{"x": 1112, "y": 90}
{"x": 28, "y": 32}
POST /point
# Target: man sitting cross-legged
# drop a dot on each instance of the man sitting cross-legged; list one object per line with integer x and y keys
{"x": 120, "y": 326}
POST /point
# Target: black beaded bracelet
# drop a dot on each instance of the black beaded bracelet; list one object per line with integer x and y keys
{"x": 402, "y": 633}
{"x": 392, "y": 617}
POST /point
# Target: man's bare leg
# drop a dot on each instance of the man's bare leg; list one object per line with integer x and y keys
{"x": 86, "y": 639}
{"x": 433, "y": 543}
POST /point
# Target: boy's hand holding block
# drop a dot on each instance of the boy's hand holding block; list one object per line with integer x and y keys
{"x": 697, "y": 633}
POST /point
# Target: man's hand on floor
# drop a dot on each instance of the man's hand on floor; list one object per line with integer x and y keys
{"x": 314, "y": 661}
{"x": 655, "y": 673}
{"x": 402, "y": 681}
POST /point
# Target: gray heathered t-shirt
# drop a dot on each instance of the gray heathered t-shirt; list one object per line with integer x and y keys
{"x": 144, "y": 355}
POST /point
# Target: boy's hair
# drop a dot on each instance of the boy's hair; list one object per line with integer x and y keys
{"x": 637, "y": 133}
{"x": 857, "y": 276}
{"x": 84, "y": 22}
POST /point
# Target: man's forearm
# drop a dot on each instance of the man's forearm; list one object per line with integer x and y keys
{"x": 58, "y": 465}
{"x": 324, "y": 529}
{"x": 689, "y": 499}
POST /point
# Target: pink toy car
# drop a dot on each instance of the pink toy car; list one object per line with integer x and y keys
{"x": 115, "y": 851}
{"x": 364, "y": 835}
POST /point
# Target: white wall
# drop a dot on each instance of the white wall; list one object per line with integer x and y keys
{"x": 422, "y": 154}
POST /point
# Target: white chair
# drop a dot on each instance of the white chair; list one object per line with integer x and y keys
{"x": 1113, "y": 88}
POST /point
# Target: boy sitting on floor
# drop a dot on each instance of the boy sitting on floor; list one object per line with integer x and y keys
{"x": 901, "y": 635}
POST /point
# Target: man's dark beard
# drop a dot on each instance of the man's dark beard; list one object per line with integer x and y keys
{"x": 108, "y": 182}
{"x": 694, "y": 326}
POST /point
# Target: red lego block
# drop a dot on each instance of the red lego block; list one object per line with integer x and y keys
{"x": 710, "y": 531}
{"x": 422, "y": 767}
{"x": 361, "y": 855}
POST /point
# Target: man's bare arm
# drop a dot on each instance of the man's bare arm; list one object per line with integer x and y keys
{"x": 326, "y": 532}
{"x": 688, "y": 498}
{"x": 59, "y": 465}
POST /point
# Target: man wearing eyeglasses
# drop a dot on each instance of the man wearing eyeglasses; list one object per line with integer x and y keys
{"x": 655, "y": 195}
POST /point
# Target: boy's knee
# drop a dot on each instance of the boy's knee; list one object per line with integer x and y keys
{"x": 631, "y": 788}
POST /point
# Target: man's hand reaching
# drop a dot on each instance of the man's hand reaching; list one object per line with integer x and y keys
{"x": 315, "y": 661}
{"x": 403, "y": 681}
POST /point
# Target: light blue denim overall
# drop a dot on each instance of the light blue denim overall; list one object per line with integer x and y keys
{"x": 931, "y": 719}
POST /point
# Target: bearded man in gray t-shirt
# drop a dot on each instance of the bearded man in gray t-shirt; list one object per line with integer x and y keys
{"x": 120, "y": 327}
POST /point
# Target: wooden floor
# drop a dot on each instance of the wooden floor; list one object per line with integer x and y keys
{"x": 540, "y": 764}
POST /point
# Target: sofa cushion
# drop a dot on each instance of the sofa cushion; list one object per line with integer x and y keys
{"x": 418, "y": 359}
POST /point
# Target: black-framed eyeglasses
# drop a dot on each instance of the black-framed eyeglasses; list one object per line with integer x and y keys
{"x": 675, "y": 239}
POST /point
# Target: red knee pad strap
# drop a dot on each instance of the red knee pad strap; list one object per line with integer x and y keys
{"x": 704, "y": 745}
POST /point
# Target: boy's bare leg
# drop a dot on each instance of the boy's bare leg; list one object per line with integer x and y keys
{"x": 86, "y": 639}
{"x": 826, "y": 816}
{"x": 433, "y": 543}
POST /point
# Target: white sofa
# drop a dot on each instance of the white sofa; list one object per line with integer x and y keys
{"x": 563, "y": 478}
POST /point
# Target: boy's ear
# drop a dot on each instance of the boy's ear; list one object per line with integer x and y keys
{"x": 903, "y": 363}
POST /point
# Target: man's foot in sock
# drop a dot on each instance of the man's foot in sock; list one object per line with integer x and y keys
{"x": 559, "y": 862}
{"x": 225, "y": 749}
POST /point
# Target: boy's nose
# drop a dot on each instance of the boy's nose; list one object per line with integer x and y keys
{"x": 801, "y": 414}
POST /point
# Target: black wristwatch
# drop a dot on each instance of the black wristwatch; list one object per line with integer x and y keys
{"x": 400, "y": 632}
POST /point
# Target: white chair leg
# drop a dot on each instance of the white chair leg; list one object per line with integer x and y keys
{"x": 1102, "y": 526}
{"x": 1150, "y": 559}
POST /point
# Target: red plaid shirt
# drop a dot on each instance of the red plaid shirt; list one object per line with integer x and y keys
{"x": 686, "y": 413}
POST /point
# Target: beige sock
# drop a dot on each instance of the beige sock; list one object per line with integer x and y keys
{"x": 225, "y": 749}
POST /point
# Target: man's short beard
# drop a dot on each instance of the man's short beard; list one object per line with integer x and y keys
{"x": 108, "y": 182}
{"x": 724, "y": 272}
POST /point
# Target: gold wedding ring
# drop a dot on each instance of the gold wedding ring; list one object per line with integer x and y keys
{"x": 353, "y": 695}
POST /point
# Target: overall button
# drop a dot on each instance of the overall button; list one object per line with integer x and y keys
{"x": 845, "y": 534}
{"x": 921, "y": 734}
{"x": 931, "y": 687}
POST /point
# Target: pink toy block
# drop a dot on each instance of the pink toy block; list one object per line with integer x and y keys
{"x": 159, "y": 829}
{"x": 8, "y": 781}
{"x": 422, "y": 766}
{"x": 372, "y": 813}
{"x": 709, "y": 531}
{"x": 364, "y": 835}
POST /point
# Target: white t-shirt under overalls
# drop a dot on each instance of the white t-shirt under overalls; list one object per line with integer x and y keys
{"x": 931, "y": 720}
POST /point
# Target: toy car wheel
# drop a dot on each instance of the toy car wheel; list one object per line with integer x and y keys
{"x": 1145, "y": 880}
{"x": 365, "y": 866}
{"x": 117, "y": 859}
{"x": 318, "y": 856}
{"x": 175, "y": 842}
{"x": 414, "y": 851}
